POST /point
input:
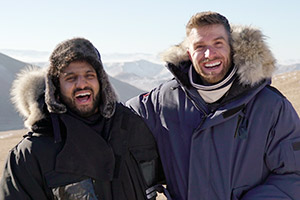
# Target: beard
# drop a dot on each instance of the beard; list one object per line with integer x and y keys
{"x": 213, "y": 77}
{"x": 84, "y": 110}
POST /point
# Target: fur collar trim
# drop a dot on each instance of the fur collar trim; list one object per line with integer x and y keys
{"x": 251, "y": 55}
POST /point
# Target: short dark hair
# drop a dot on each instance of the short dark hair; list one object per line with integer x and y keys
{"x": 208, "y": 18}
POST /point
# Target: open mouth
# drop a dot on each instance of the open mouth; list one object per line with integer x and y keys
{"x": 212, "y": 65}
{"x": 83, "y": 97}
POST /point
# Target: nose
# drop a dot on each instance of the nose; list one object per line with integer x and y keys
{"x": 209, "y": 52}
{"x": 81, "y": 82}
{"x": 206, "y": 53}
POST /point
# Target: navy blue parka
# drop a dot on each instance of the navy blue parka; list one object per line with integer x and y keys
{"x": 245, "y": 147}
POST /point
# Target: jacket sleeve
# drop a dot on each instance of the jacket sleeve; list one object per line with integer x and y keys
{"x": 282, "y": 158}
{"x": 20, "y": 178}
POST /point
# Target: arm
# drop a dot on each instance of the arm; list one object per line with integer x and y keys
{"x": 282, "y": 159}
{"x": 20, "y": 178}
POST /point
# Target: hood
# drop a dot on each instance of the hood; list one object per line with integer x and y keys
{"x": 67, "y": 52}
{"x": 27, "y": 89}
{"x": 251, "y": 55}
{"x": 28, "y": 96}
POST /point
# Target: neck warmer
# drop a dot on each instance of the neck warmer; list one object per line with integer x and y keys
{"x": 97, "y": 122}
{"x": 213, "y": 93}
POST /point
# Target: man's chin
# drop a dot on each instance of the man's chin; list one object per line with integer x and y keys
{"x": 85, "y": 112}
{"x": 211, "y": 80}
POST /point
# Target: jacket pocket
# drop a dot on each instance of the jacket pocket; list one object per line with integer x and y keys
{"x": 80, "y": 190}
{"x": 148, "y": 162}
{"x": 64, "y": 186}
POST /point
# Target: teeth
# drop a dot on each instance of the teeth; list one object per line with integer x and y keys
{"x": 83, "y": 94}
{"x": 212, "y": 64}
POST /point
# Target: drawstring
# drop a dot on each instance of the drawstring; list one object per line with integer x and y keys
{"x": 56, "y": 128}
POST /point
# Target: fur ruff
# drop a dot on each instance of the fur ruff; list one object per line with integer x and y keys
{"x": 251, "y": 55}
{"x": 25, "y": 92}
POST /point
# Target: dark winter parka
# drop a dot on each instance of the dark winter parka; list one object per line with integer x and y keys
{"x": 246, "y": 146}
{"x": 112, "y": 156}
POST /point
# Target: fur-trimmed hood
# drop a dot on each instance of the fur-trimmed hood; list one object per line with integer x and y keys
{"x": 251, "y": 55}
{"x": 28, "y": 90}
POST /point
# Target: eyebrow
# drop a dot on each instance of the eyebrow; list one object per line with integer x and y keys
{"x": 220, "y": 38}
{"x": 217, "y": 38}
{"x": 65, "y": 74}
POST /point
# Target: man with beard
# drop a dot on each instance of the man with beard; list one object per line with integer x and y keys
{"x": 222, "y": 131}
{"x": 82, "y": 144}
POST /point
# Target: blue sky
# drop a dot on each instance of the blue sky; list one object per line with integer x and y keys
{"x": 140, "y": 26}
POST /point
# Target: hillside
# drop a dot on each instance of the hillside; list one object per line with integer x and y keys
{"x": 143, "y": 74}
{"x": 9, "y": 119}
{"x": 289, "y": 85}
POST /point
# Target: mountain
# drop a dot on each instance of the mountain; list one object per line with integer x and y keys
{"x": 29, "y": 56}
{"x": 9, "y": 119}
{"x": 33, "y": 56}
{"x": 125, "y": 91}
{"x": 287, "y": 68}
{"x": 142, "y": 73}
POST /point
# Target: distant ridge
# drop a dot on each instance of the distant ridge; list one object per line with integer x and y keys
{"x": 281, "y": 69}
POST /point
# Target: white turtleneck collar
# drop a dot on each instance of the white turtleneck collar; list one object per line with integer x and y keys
{"x": 213, "y": 93}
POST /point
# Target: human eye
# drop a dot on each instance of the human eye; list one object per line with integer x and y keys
{"x": 91, "y": 75}
{"x": 199, "y": 47}
{"x": 219, "y": 44}
{"x": 70, "y": 78}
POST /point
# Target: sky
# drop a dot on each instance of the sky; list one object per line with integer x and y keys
{"x": 140, "y": 26}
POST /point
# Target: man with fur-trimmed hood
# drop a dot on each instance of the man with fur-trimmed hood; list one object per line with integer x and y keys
{"x": 82, "y": 144}
{"x": 222, "y": 131}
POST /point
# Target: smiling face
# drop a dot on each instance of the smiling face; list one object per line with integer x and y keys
{"x": 209, "y": 51}
{"x": 79, "y": 88}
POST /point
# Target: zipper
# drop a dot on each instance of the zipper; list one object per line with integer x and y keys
{"x": 238, "y": 126}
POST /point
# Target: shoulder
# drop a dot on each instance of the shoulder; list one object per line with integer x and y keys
{"x": 23, "y": 152}
{"x": 271, "y": 99}
{"x": 127, "y": 115}
{"x": 271, "y": 95}
{"x": 133, "y": 124}
{"x": 274, "y": 91}
{"x": 34, "y": 146}
{"x": 155, "y": 95}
